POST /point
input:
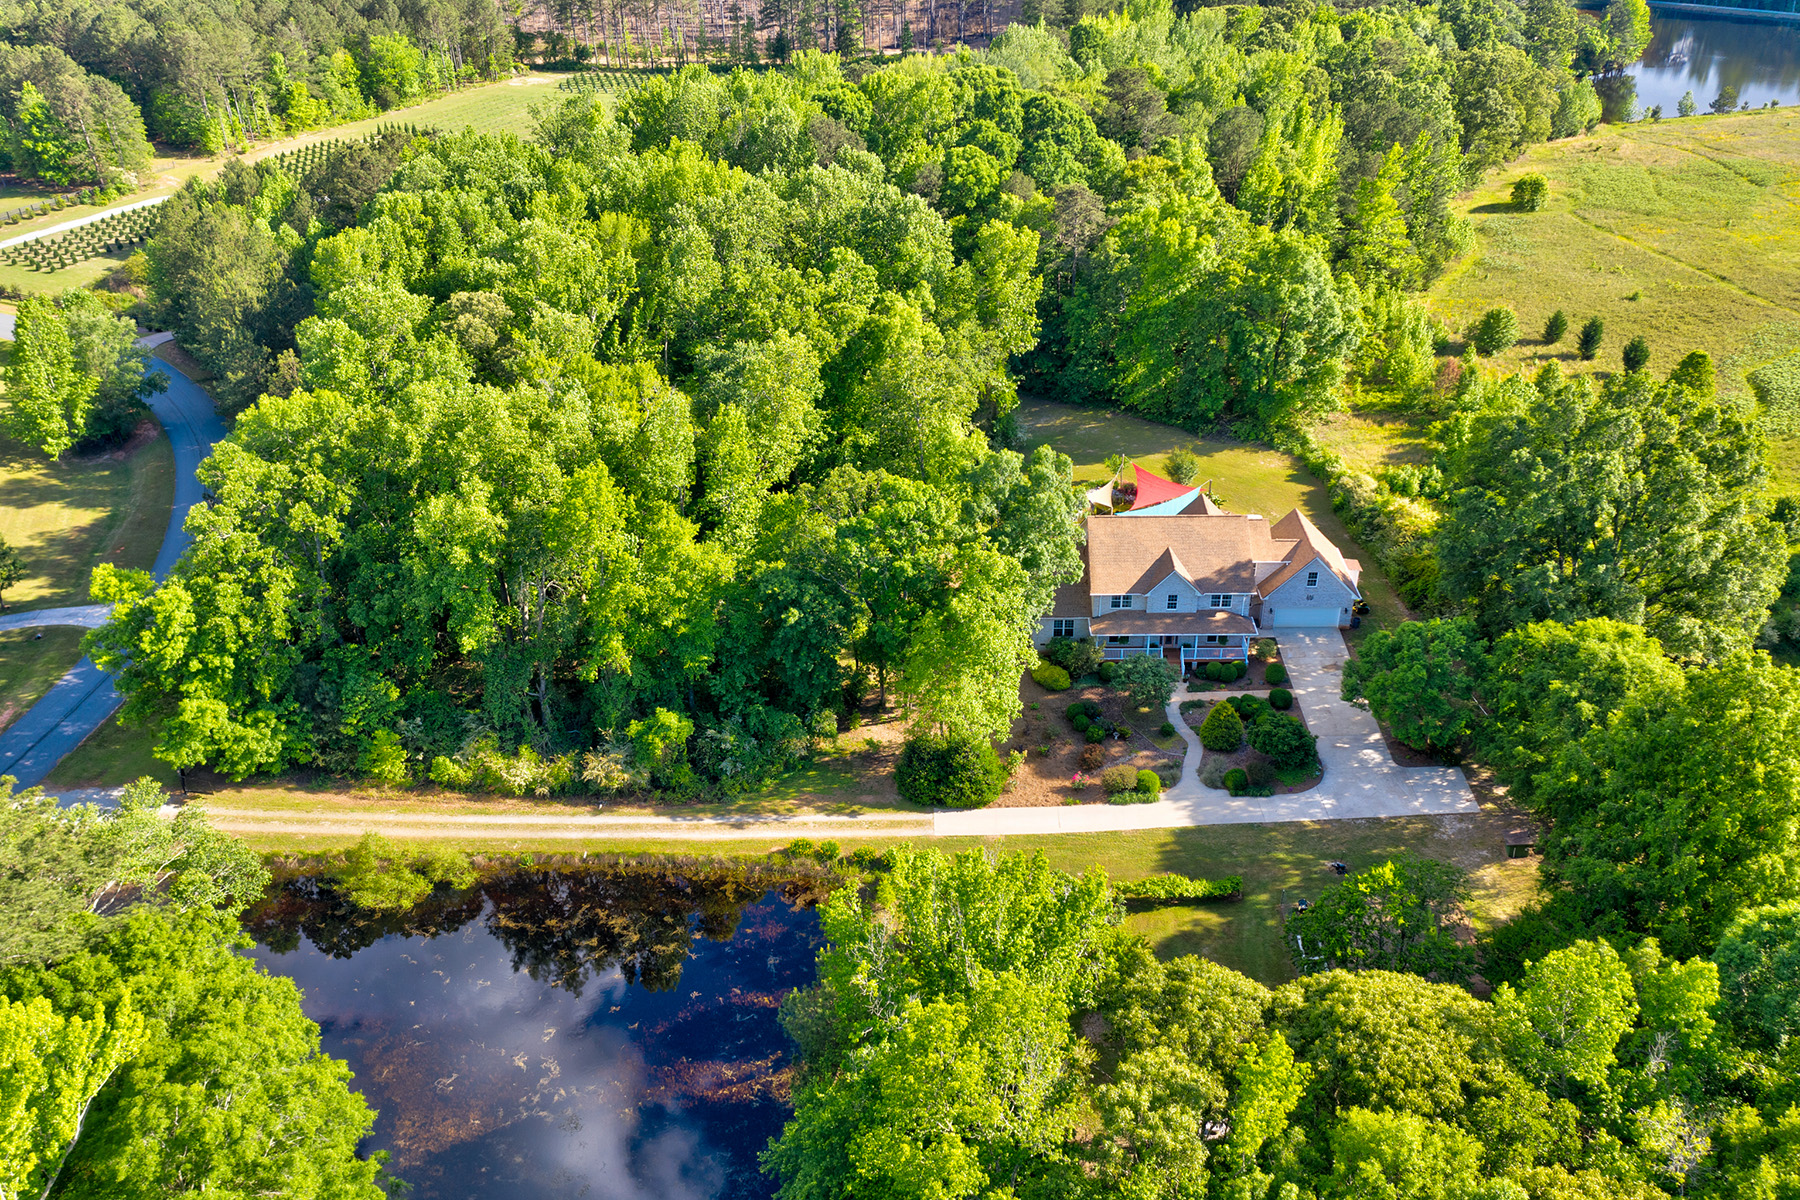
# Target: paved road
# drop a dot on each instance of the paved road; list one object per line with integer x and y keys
{"x": 83, "y": 699}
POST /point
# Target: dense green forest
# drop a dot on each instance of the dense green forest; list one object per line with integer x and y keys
{"x": 983, "y": 1027}
{"x": 83, "y": 86}
{"x": 638, "y": 454}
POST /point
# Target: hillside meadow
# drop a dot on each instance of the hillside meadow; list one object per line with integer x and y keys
{"x": 1685, "y": 232}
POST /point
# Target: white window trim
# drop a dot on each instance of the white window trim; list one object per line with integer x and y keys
{"x": 1173, "y": 602}
{"x": 1121, "y": 601}
{"x": 1312, "y": 579}
{"x": 1058, "y": 624}
{"x": 1221, "y": 600}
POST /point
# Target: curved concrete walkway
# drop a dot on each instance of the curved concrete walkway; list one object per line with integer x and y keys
{"x": 83, "y": 699}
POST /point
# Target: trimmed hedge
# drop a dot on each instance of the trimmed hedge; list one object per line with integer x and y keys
{"x": 1166, "y": 729}
{"x": 1050, "y": 677}
{"x": 1148, "y": 782}
{"x": 1082, "y": 708}
{"x": 949, "y": 771}
{"x": 1281, "y": 699}
{"x": 1106, "y": 670}
{"x": 1223, "y": 729}
{"x": 1118, "y": 779}
{"x": 1092, "y": 757}
{"x": 1094, "y": 734}
{"x": 1180, "y": 887}
{"x": 1237, "y": 781}
{"x": 1275, "y": 673}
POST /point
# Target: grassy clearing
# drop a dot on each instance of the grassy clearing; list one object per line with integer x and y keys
{"x": 111, "y": 756}
{"x": 1246, "y": 478}
{"x": 31, "y": 661}
{"x": 1686, "y": 233}
{"x": 1280, "y": 863}
{"x": 66, "y": 518}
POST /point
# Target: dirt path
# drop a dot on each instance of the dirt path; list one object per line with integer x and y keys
{"x": 561, "y": 828}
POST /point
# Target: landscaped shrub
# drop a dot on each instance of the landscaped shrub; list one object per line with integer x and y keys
{"x": 1237, "y": 781}
{"x": 1148, "y": 782}
{"x": 1214, "y": 671}
{"x": 1080, "y": 722}
{"x": 1285, "y": 741}
{"x": 1261, "y": 772}
{"x": 958, "y": 772}
{"x": 1077, "y": 656}
{"x": 1118, "y": 779}
{"x": 1166, "y": 729}
{"x": 1095, "y": 733}
{"x": 1082, "y": 708}
{"x": 1212, "y": 771}
{"x": 1106, "y": 670}
{"x": 1092, "y": 757}
{"x": 1050, "y": 677}
{"x": 1179, "y": 887}
{"x": 1530, "y": 191}
{"x": 801, "y": 848}
{"x": 1223, "y": 729}
{"x": 1281, "y": 698}
{"x": 1275, "y": 674}
{"x": 827, "y": 853}
{"x": 1250, "y": 709}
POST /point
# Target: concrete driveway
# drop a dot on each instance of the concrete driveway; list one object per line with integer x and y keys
{"x": 1361, "y": 778}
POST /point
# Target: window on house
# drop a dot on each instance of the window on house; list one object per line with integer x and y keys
{"x": 1214, "y": 639}
{"x": 1118, "y": 639}
{"x": 1174, "y": 601}
{"x": 1062, "y": 628}
{"x": 1121, "y": 601}
{"x": 1312, "y": 579}
{"x": 1219, "y": 601}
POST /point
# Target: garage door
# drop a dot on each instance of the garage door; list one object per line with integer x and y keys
{"x": 1300, "y": 617}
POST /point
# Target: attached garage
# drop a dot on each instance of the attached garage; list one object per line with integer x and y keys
{"x": 1301, "y": 616}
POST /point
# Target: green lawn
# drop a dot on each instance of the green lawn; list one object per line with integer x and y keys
{"x": 111, "y": 756}
{"x": 1245, "y": 478}
{"x": 67, "y": 517}
{"x": 31, "y": 661}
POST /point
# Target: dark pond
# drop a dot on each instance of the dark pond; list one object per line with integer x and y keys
{"x": 604, "y": 1034}
{"x": 1701, "y": 55}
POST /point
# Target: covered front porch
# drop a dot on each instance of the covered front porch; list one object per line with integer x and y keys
{"x": 1183, "y": 637}
{"x": 1185, "y": 650}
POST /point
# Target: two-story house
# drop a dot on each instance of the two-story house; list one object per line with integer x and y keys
{"x": 1192, "y": 582}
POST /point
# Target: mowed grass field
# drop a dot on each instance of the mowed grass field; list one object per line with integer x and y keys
{"x": 490, "y": 108}
{"x": 65, "y": 518}
{"x": 1685, "y": 232}
{"x": 1246, "y": 478}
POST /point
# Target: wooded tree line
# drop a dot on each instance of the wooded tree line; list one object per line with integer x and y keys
{"x": 620, "y": 456}
{"x": 984, "y": 1026}
{"x": 82, "y": 86}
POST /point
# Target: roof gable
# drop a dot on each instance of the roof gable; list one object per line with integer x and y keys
{"x": 1309, "y": 546}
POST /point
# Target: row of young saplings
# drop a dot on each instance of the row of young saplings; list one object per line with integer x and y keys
{"x": 105, "y": 236}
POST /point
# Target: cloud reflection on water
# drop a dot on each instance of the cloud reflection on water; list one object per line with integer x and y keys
{"x": 492, "y": 1084}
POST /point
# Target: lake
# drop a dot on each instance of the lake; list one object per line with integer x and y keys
{"x": 1701, "y": 55}
{"x": 609, "y": 1034}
